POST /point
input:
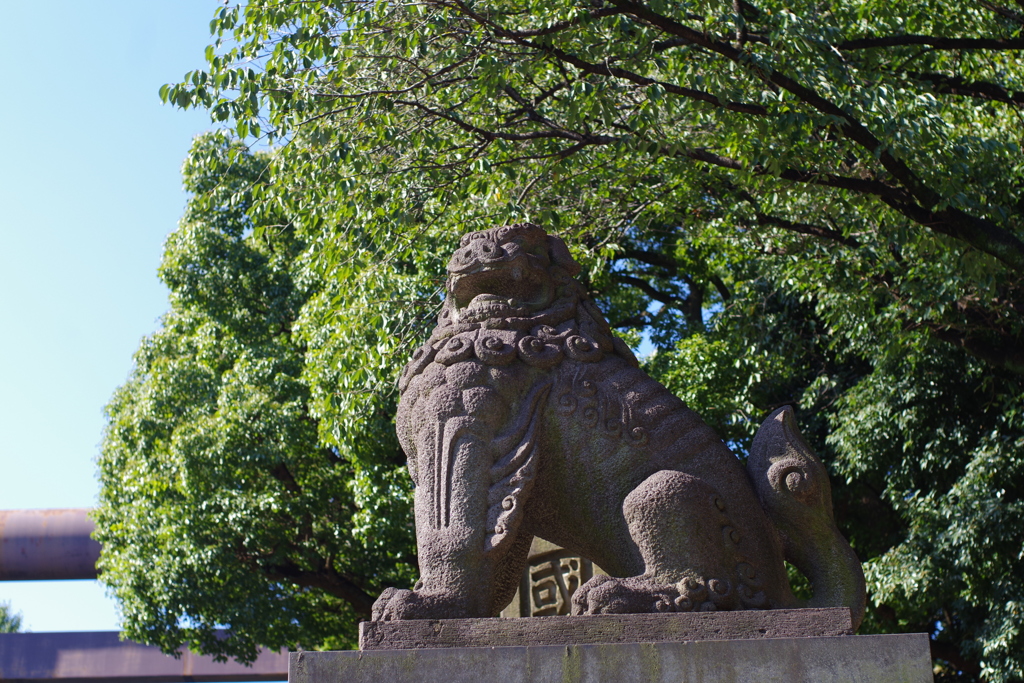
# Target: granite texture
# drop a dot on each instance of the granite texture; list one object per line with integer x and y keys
{"x": 524, "y": 416}
{"x": 847, "y": 659}
{"x": 604, "y": 628}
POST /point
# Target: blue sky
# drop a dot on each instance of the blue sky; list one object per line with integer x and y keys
{"x": 89, "y": 190}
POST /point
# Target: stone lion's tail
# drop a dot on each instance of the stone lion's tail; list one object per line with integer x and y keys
{"x": 794, "y": 490}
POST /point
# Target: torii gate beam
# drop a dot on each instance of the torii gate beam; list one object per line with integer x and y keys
{"x": 47, "y": 545}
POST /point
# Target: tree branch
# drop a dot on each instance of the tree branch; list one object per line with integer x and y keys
{"x": 649, "y": 290}
{"x": 937, "y": 42}
{"x": 807, "y": 229}
{"x": 284, "y": 475}
{"x": 1005, "y": 353}
{"x": 660, "y": 260}
{"x": 327, "y": 580}
{"x": 691, "y": 306}
{"x": 957, "y": 85}
{"x": 980, "y": 233}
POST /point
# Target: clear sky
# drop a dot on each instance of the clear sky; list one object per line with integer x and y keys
{"x": 89, "y": 189}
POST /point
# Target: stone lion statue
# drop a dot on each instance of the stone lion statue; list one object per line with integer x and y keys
{"x": 523, "y": 415}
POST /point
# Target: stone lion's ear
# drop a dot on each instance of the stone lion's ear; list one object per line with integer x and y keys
{"x": 560, "y": 255}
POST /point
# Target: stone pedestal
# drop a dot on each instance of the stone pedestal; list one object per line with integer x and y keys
{"x": 604, "y": 628}
{"x": 778, "y": 645}
{"x": 850, "y": 659}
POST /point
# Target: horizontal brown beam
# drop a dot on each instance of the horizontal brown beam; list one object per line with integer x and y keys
{"x": 95, "y": 657}
{"x": 47, "y": 545}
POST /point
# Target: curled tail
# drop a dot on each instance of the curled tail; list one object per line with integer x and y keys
{"x": 794, "y": 490}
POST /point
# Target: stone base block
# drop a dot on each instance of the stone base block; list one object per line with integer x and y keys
{"x": 871, "y": 659}
{"x": 605, "y": 628}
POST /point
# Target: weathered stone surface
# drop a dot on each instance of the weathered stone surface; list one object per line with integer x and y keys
{"x": 848, "y": 659}
{"x": 604, "y": 628}
{"x": 523, "y": 416}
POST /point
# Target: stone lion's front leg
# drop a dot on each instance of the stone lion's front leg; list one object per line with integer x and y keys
{"x": 451, "y": 509}
{"x": 471, "y": 488}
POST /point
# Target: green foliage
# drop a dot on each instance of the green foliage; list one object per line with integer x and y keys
{"x": 10, "y": 621}
{"x": 819, "y": 204}
{"x": 225, "y": 503}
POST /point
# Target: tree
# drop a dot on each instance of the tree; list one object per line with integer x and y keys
{"x": 221, "y": 507}
{"x": 814, "y": 203}
{"x": 10, "y": 621}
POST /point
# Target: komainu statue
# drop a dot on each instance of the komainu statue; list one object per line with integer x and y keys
{"x": 523, "y": 415}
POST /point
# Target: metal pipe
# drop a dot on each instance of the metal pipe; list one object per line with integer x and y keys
{"x": 47, "y": 545}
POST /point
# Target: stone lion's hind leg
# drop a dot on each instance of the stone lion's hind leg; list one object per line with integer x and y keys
{"x": 678, "y": 523}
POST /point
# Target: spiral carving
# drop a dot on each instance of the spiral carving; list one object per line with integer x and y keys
{"x": 421, "y": 358}
{"x": 639, "y": 435}
{"x": 582, "y": 349}
{"x": 456, "y": 349}
{"x": 534, "y": 352}
{"x": 794, "y": 476}
{"x": 493, "y": 350}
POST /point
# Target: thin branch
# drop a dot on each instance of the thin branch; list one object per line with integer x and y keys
{"x": 1004, "y": 12}
{"x": 802, "y": 228}
{"x": 605, "y": 69}
{"x": 560, "y": 26}
{"x": 493, "y": 135}
{"x": 617, "y": 72}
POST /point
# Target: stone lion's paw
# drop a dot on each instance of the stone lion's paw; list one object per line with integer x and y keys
{"x": 393, "y": 604}
{"x": 582, "y": 600}
{"x": 634, "y": 595}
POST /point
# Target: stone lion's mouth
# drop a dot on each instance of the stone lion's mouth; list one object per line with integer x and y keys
{"x": 510, "y": 288}
{"x": 491, "y": 300}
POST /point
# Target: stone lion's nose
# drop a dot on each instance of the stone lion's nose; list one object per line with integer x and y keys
{"x": 481, "y": 251}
